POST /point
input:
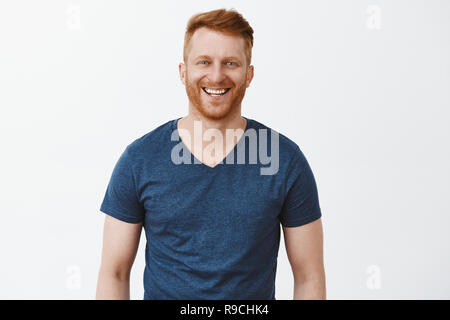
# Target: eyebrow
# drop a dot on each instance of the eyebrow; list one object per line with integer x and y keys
{"x": 226, "y": 58}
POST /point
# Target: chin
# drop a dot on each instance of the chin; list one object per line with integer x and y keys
{"x": 214, "y": 112}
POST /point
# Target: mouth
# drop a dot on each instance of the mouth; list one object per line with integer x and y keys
{"x": 215, "y": 92}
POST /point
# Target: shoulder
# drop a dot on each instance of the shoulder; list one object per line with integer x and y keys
{"x": 152, "y": 142}
{"x": 289, "y": 150}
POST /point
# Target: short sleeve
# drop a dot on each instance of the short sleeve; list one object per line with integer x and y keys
{"x": 121, "y": 199}
{"x": 301, "y": 204}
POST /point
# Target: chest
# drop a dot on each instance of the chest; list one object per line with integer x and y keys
{"x": 195, "y": 198}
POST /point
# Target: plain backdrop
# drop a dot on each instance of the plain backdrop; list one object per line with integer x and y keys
{"x": 363, "y": 87}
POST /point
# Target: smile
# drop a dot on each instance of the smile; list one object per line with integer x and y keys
{"x": 215, "y": 92}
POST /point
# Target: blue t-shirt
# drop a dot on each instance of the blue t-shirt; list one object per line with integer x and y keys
{"x": 212, "y": 233}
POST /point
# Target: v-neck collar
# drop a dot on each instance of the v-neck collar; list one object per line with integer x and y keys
{"x": 220, "y": 163}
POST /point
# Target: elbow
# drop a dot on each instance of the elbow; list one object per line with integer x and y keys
{"x": 119, "y": 273}
{"x": 315, "y": 275}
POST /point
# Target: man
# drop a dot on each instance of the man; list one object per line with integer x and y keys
{"x": 212, "y": 223}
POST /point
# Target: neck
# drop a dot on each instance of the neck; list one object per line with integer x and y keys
{"x": 232, "y": 120}
{"x": 196, "y": 122}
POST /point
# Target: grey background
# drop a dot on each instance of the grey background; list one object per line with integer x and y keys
{"x": 361, "y": 86}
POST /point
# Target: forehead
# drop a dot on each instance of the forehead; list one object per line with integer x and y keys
{"x": 212, "y": 43}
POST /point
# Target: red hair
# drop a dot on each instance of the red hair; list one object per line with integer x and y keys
{"x": 227, "y": 21}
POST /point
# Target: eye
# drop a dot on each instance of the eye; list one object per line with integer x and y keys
{"x": 201, "y": 62}
{"x": 234, "y": 63}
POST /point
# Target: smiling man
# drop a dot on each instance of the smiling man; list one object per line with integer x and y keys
{"x": 212, "y": 224}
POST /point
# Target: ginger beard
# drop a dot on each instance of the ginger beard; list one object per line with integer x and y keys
{"x": 214, "y": 109}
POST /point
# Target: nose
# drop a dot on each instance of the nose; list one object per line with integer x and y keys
{"x": 216, "y": 74}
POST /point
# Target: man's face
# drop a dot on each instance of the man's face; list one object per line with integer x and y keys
{"x": 216, "y": 73}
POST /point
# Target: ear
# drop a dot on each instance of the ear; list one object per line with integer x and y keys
{"x": 182, "y": 70}
{"x": 250, "y": 73}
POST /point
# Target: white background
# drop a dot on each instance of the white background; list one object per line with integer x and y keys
{"x": 363, "y": 87}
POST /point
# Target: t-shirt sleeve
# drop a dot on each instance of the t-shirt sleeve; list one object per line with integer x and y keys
{"x": 301, "y": 204}
{"x": 121, "y": 199}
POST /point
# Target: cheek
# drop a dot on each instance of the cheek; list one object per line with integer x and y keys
{"x": 193, "y": 77}
{"x": 241, "y": 77}
{"x": 240, "y": 80}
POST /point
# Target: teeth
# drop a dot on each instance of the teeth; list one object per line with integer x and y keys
{"x": 212, "y": 91}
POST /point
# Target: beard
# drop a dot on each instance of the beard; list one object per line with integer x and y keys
{"x": 214, "y": 109}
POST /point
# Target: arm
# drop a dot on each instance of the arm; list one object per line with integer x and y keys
{"x": 304, "y": 247}
{"x": 120, "y": 244}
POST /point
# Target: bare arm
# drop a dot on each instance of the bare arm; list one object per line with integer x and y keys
{"x": 304, "y": 247}
{"x": 120, "y": 244}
